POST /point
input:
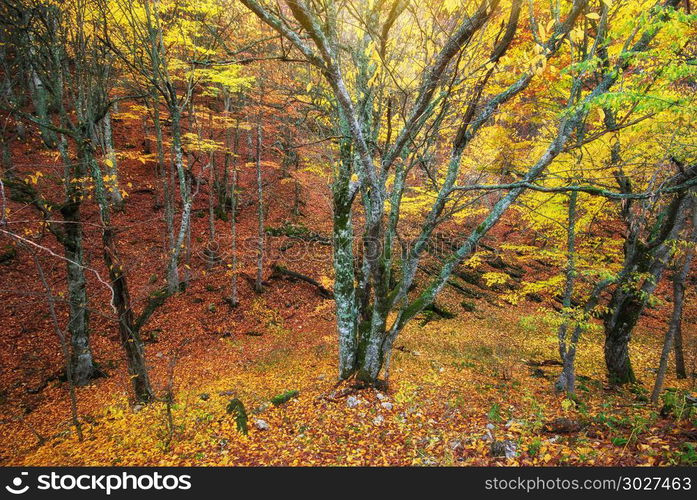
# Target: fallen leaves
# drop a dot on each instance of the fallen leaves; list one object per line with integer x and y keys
{"x": 414, "y": 423}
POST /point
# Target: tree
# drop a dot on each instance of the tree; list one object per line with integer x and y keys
{"x": 82, "y": 70}
{"x": 167, "y": 72}
{"x": 678, "y": 301}
{"x": 645, "y": 260}
{"x": 41, "y": 44}
{"x": 469, "y": 52}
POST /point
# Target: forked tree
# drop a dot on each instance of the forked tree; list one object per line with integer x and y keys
{"x": 459, "y": 92}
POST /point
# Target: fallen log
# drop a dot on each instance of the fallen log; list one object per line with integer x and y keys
{"x": 452, "y": 282}
{"x": 440, "y": 311}
{"x": 293, "y": 275}
{"x": 546, "y": 362}
{"x": 298, "y": 232}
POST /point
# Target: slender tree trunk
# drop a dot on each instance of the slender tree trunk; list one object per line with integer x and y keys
{"x": 173, "y": 283}
{"x": 40, "y": 99}
{"x": 7, "y": 165}
{"x": 212, "y": 196}
{"x": 112, "y": 170}
{"x": 260, "y": 214}
{"x": 680, "y": 370}
{"x": 567, "y": 349}
{"x": 65, "y": 351}
{"x": 191, "y": 181}
{"x": 147, "y": 144}
{"x": 8, "y": 84}
{"x": 220, "y": 175}
{"x": 212, "y": 249}
{"x": 234, "y": 301}
{"x": 187, "y": 258}
{"x": 121, "y": 301}
{"x": 676, "y": 317}
{"x": 212, "y": 188}
{"x": 165, "y": 173}
{"x": 129, "y": 336}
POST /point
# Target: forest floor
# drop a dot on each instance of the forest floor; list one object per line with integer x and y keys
{"x": 454, "y": 384}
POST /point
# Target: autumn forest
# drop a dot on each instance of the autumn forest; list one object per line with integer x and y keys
{"x": 348, "y": 232}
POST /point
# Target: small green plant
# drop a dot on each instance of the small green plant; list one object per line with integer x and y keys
{"x": 537, "y": 412}
{"x": 612, "y": 422}
{"x": 641, "y": 424}
{"x": 620, "y": 441}
{"x": 568, "y": 404}
{"x": 640, "y": 392}
{"x": 687, "y": 454}
{"x": 534, "y": 447}
{"x": 236, "y": 409}
{"x": 494, "y": 413}
{"x": 676, "y": 403}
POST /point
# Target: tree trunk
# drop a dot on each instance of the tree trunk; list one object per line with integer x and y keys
{"x": 173, "y": 282}
{"x": 617, "y": 336}
{"x": 121, "y": 301}
{"x": 676, "y": 317}
{"x": 212, "y": 197}
{"x": 112, "y": 170}
{"x": 164, "y": 171}
{"x": 260, "y": 215}
{"x": 40, "y": 100}
{"x": 567, "y": 349}
{"x": 128, "y": 334}
{"x": 680, "y": 370}
{"x": 65, "y": 351}
{"x": 83, "y": 367}
{"x": 234, "y": 301}
{"x": 78, "y": 325}
{"x": 344, "y": 273}
{"x": 628, "y": 299}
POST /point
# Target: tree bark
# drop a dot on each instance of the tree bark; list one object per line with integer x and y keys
{"x": 258, "y": 286}
{"x": 173, "y": 281}
{"x": 83, "y": 367}
{"x": 567, "y": 349}
{"x": 121, "y": 300}
{"x": 40, "y": 98}
{"x": 680, "y": 371}
{"x": 234, "y": 301}
{"x": 78, "y": 325}
{"x": 65, "y": 351}
{"x": 112, "y": 170}
{"x": 676, "y": 317}
{"x": 344, "y": 273}
{"x": 648, "y": 262}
